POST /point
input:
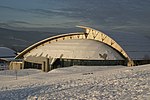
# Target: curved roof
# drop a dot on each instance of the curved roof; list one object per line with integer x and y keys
{"x": 49, "y": 40}
{"x": 89, "y": 34}
{"x": 6, "y": 52}
{"x": 76, "y": 49}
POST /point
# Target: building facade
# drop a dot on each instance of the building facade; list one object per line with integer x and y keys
{"x": 90, "y": 48}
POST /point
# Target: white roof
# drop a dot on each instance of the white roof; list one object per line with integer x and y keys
{"x": 76, "y": 49}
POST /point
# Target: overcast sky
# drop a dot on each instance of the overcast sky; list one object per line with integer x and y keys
{"x": 123, "y": 15}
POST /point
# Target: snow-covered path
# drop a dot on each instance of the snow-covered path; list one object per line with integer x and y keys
{"x": 78, "y": 83}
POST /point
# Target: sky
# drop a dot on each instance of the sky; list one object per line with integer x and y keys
{"x": 115, "y": 15}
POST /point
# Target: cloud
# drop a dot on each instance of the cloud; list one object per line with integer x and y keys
{"x": 41, "y": 12}
{"x": 44, "y": 12}
{"x": 108, "y": 14}
{"x": 54, "y": 12}
{"x": 16, "y": 23}
{"x": 12, "y": 8}
{"x": 13, "y": 22}
{"x": 4, "y": 25}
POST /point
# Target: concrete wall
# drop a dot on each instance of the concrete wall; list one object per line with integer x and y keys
{"x": 15, "y": 65}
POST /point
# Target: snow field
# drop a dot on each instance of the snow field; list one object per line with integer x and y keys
{"x": 79, "y": 83}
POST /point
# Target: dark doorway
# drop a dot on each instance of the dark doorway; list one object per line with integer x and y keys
{"x": 32, "y": 65}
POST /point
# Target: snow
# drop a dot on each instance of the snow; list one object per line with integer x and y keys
{"x": 77, "y": 82}
{"x": 76, "y": 49}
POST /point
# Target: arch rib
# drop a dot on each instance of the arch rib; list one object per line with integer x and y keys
{"x": 100, "y": 36}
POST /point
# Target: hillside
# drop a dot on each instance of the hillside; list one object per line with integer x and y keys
{"x": 18, "y": 40}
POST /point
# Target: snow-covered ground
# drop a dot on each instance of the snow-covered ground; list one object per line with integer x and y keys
{"x": 77, "y": 83}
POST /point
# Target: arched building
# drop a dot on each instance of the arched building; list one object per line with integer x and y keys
{"x": 90, "y": 47}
